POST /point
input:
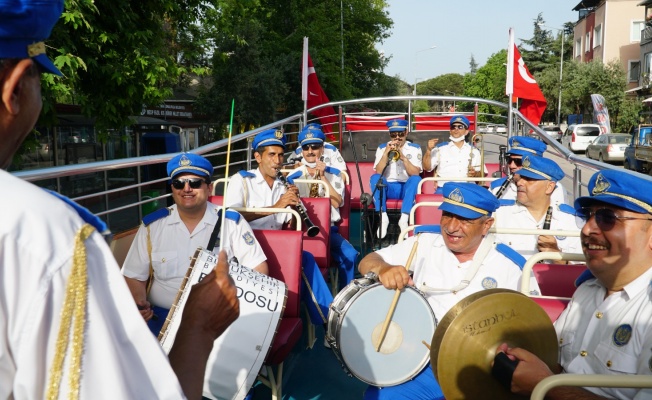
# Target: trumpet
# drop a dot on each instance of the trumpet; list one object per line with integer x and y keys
{"x": 393, "y": 155}
{"x": 311, "y": 229}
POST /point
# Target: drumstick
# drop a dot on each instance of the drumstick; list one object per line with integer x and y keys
{"x": 397, "y": 294}
{"x": 426, "y": 344}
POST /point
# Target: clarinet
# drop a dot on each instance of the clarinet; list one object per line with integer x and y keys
{"x": 504, "y": 186}
{"x": 546, "y": 222}
{"x": 311, "y": 229}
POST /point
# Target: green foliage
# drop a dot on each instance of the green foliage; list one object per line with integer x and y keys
{"x": 488, "y": 83}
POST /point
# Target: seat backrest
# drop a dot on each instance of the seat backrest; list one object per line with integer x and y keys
{"x": 344, "y": 225}
{"x": 217, "y": 200}
{"x": 552, "y": 306}
{"x": 428, "y": 186}
{"x": 366, "y": 170}
{"x": 557, "y": 279}
{"x": 319, "y": 212}
{"x": 491, "y": 168}
{"x": 428, "y": 215}
{"x": 283, "y": 251}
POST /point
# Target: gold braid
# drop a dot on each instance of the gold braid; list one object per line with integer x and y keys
{"x": 74, "y": 308}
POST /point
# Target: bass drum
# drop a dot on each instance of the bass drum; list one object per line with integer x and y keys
{"x": 355, "y": 321}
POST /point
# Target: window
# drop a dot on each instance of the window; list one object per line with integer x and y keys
{"x": 637, "y": 28}
{"x": 597, "y": 36}
{"x": 578, "y": 48}
{"x": 587, "y": 42}
{"x": 633, "y": 70}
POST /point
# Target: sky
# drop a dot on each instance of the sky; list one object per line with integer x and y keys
{"x": 459, "y": 29}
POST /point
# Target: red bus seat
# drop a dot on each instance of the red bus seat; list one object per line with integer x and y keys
{"x": 427, "y": 215}
{"x": 319, "y": 212}
{"x": 557, "y": 279}
{"x": 217, "y": 200}
{"x": 552, "y": 306}
{"x": 366, "y": 170}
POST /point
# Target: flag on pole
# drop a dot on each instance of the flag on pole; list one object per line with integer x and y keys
{"x": 521, "y": 84}
{"x": 600, "y": 113}
{"x": 313, "y": 95}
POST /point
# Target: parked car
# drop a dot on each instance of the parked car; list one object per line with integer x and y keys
{"x": 501, "y": 129}
{"x": 578, "y": 136}
{"x": 554, "y": 131}
{"x": 609, "y": 148}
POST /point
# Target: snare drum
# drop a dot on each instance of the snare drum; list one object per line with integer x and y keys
{"x": 355, "y": 320}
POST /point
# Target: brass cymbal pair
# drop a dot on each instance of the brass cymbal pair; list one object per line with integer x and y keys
{"x": 466, "y": 339}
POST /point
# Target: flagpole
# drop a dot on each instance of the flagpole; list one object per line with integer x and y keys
{"x": 226, "y": 171}
{"x": 509, "y": 85}
{"x": 304, "y": 80}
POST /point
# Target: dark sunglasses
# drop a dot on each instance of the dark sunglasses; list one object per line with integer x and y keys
{"x": 195, "y": 183}
{"x": 605, "y": 218}
{"x": 458, "y": 127}
{"x": 314, "y": 146}
{"x": 396, "y": 134}
{"x": 517, "y": 161}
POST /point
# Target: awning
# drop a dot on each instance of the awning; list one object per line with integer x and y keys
{"x": 636, "y": 89}
{"x": 644, "y": 3}
{"x": 648, "y": 100}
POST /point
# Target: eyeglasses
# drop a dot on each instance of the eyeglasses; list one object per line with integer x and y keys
{"x": 195, "y": 183}
{"x": 517, "y": 161}
{"x": 396, "y": 134}
{"x": 314, "y": 146}
{"x": 458, "y": 127}
{"x": 605, "y": 218}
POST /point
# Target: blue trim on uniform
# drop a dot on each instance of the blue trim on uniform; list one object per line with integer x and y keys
{"x": 584, "y": 276}
{"x": 84, "y": 213}
{"x": 294, "y": 176}
{"x": 382, "y": 145}
{"x": 441, "y": 144}
{"x": 155, "y": 216}
{"x": 506, "y": 202}
{"x": 330, "y": 147}
{"x": 497, "y": 182}
{"x": 246, "y": 174}
{"x": 427, "y": 229}
{"x": 298, "y": 150}
{"x": 567, "y": 208}
{"x": 413, "y": 144}
{"x": 332, "y": 170}
{"x": 233, "y": 215}
{"x": 512, "y": 254}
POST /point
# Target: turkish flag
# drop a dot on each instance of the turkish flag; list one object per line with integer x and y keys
{"x": 522, "y": 85}
{"x": 315, "y": 95}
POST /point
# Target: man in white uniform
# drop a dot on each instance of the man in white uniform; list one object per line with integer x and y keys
{"x": 448, "y": 266}
{"x": 456, "y": 158}
{"x": 311, "y": 141}
{"x": 400, "y": 174}
{"x": 331, "y": 154}
{"x": 607, "y": 327}
{"x": 168, "y": 238}
{"x": 535, "y": 183}
{"x": 261, "y": 188}
{"x": 519, "y": 148}
{"x": 44, "y": 241}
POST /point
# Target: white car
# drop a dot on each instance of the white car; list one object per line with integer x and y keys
{"x": 578, "y": 136}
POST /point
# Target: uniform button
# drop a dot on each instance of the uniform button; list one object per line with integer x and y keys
{"x": 598, "y": 315}
{"x": 163, "y": 259}
{"x": 609, "y": 363}
{"x": 583, "y": 353}
{"x": 561, "y": 341}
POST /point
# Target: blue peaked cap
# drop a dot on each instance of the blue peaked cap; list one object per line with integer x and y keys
{"x": 525, "y": 146}
{"x": 460, "y": 119}
{"x": 468, "y": 200}
{"x": 397, "y": 125}
{"x": 310, "y": 134}
{"x": 619, "y": 189}
{"x": 541, "y": 169}
{"x": 269, "y": 137}
{"x": 24, "y": 25}
{"x": 190, "y": 163}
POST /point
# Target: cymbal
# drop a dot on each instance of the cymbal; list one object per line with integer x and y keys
{"x": 466, "y": 339}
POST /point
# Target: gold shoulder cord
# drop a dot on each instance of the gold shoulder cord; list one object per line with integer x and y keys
{"x": 151, "y": 267}
{"x": 74, "y": 308}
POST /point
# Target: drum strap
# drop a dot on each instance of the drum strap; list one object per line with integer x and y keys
{"x": 488, "y": 243}
{"x": 214, "y": 241}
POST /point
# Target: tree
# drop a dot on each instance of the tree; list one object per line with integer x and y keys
{"x": 488, "y": 83}
{"x": 538, "y": 58}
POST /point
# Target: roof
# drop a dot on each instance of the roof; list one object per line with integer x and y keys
{"x": 645, "y": 3}
{"x": 584, "y": 4}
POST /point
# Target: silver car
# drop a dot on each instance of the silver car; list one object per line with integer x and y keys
{"x": 609, "y": 147}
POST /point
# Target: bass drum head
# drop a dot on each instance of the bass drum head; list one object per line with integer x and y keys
{"x": 402, "y": 355}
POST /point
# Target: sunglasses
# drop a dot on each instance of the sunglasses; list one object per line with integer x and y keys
{"x": 458, "y": 127}
{"x": 517, "y": 161}
{"x": 396, "y": 134}
{"x": 314, "y": 146}
{"x": 194, "y": 183}
{"x": 605, "y": 218}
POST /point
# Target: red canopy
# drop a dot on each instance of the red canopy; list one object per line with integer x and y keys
{"x": 367, "y": 123}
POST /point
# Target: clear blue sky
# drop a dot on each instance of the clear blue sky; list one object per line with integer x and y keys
{"x": 459, "y": 29}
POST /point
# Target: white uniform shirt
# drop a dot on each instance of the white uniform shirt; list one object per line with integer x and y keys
{"x": 436, "y": 266}
{"x": 453, "y": 162}
{"x": 396, "y": 171}
{"x": 558, "y": 196}
{"x": 335, "y": 181}
{"x": 332, "y": 157}
{"x": 173, "y": 247}
{"x": 518, "y": 216}
{"x": 254, "y": 192}
{"x": 121, "y": 358}
{"x": 609, "y": 336}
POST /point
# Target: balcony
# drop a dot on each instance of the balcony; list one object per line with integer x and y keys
{"x": 646, "y": 34}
